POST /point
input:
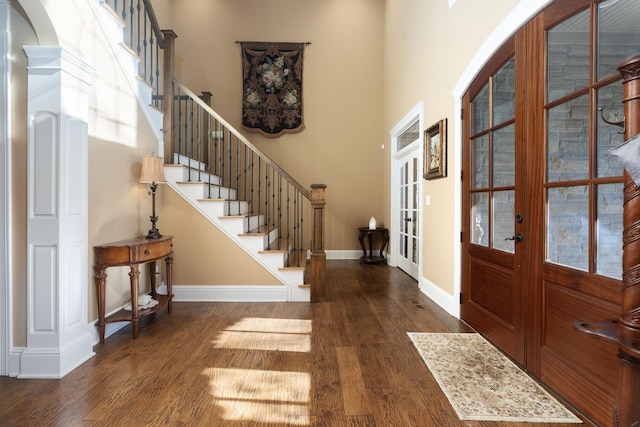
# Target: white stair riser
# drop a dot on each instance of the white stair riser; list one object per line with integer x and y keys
{"x": 235, "y": 227}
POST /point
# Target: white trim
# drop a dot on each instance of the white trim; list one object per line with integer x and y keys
{"x": 521, "y": 14}
{"x": 221, "y": 293}
{"x": 6, "y": 197}
{"x": 417, "y": 112}
{"x": 343, "y": 254}
{"x": 450, "y": 303}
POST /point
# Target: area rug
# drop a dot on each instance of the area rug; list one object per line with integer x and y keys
{"x": 481, "y": 383}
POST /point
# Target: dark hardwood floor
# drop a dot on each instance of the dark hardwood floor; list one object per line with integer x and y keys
{"x": 345, "y": 362}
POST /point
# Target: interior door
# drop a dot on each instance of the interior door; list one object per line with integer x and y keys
{"x": 492, "y": 289}
{"x": 408, "y": 230}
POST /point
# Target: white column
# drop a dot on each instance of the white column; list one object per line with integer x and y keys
{"x": 5, "y": 186}
{"x": 58, "y": 339}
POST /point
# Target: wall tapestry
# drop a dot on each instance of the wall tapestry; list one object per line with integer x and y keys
{"x": 272, "y": 88}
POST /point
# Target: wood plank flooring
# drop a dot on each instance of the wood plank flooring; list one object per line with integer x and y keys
{"x": 345, "y": 362}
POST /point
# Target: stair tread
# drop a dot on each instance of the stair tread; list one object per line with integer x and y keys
{"x": 263, "y": 231}
{"x": 294, "y": 256}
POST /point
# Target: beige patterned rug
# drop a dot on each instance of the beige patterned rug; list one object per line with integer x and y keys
{"x": 483, "y": 384}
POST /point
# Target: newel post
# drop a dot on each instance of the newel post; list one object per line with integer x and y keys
{"x": 167, "y": 94}
{"x": 627, "y": 408}
{"x": 318, "y": 256}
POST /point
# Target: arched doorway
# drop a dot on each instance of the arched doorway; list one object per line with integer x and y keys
{"x": 542, "y": 200}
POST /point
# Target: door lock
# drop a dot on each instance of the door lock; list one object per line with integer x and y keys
{"x": 518, "y": 238}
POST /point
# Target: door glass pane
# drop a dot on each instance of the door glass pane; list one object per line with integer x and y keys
{"x": 414, "y": 185}
{"x": 618, "y": 34}
{"x": 479, "y": 218}
{"x": 610, "y": 99}
{"x": 568, "y": 226}
{"x": 480, "y": 111}
{"x": 403, "y": 210}
{"x": 504, "y": 88}
{"x": 503, "y": 220}
{"x": 568, "y": 141}
{"x": 480, "y": 162}
{"x": 504, "y": 159}
{"x": 609, "y": 230}
{"x": 568, "y": 56}
{"x": 411, "y": 134}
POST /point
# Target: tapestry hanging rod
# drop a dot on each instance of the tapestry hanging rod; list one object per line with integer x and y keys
{"x": 239, "y": 42}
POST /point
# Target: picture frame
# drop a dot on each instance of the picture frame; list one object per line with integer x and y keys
{"x": 435, "y": 151}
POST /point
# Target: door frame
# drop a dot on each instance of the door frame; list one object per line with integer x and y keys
{"x": 417, "y": 112}
{"x": 5, "y": 191}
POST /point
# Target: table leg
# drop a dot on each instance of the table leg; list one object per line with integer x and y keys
{"x": 134, "y": 276}
{"x": 100, "y": 278}
{"x": 168, "y": 262}
{"x": 385, "y": 240}
{"x": 370, "y": 236}
{"x": 361, "y": 239}
{"x": 152, "y": 278}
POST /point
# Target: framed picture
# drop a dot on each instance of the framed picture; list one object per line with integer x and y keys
{"x": 435, "y": 151}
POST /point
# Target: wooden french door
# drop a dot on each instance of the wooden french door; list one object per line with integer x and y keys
{"x": 408, "y": 232}
{"x": 542, "y": 198}
{"x": 494, "y": 215}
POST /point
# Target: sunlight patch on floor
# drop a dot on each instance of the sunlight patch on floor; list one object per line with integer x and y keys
{"x": 263, "y": 396}
{"x": 264, "y": 341}
{"x": 267, "y": 334}
{"x": 287, "y": 326}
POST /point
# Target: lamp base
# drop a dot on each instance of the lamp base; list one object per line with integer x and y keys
{"x": 154, "y": 233}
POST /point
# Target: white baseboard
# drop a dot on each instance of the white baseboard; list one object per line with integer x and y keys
{"x": 344, "y": 254}
{"x": 247, "y": 293}
{"x": 52, "y": 363}
{"x": 449, "y": 303}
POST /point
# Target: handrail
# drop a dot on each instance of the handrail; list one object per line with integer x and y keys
{"x": 154, "y": 23}
{"x": 273, "y": 164}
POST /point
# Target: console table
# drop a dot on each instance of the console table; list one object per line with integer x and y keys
{"x": 369, "y": 232}
{"x": 133, "y": 253}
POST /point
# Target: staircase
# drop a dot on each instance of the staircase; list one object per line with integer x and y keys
{"x": 215, "y": 168}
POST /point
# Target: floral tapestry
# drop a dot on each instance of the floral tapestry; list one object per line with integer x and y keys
{"x": 272, "y": 88}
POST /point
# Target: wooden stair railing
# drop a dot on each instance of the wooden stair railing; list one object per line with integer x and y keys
{"x": 204, "y": 141}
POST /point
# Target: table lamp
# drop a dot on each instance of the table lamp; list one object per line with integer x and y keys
{"x": 153, "y": 174}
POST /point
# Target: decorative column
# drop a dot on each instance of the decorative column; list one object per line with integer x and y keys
{"x": 58, "y": 336}
{"x": 627, "y": 407}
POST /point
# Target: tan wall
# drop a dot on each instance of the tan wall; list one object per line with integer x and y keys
{"x": 204, "y": 255}
{"x": 342, "y": 91}
{"x": 427, "y": 47}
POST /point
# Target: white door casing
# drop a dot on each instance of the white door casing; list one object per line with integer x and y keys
{"x": 406, "y": 155}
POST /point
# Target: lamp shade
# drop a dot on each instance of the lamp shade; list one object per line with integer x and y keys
{"x": 152, "y": 170}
